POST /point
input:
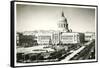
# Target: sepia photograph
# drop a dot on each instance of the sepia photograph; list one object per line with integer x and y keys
{"x": 54, "y": 33}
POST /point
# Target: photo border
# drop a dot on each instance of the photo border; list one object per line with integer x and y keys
{"x": 12, "y": 31}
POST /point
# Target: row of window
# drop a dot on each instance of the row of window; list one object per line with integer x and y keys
{"x": 70, "y": 37}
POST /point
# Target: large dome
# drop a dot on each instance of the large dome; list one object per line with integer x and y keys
{"x": 63, "y": 18}
{"x": 63, "y": 25}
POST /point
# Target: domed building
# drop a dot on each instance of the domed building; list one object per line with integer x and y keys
{"x": 63, "y": 24}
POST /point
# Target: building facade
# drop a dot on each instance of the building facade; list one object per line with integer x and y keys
{"x": 89, "y": 36}
{"x": 55, "y": 38}
{"x": 44, "y": 38}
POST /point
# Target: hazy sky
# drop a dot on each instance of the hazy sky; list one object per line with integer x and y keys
{"x": 35, "y": 17}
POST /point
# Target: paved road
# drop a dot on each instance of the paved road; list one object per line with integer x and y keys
{"x": 81, "y": 53}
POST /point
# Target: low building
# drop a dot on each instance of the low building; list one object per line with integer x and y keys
{"x": 44, "y": 38}
{"x": 17, "y": 38}
{"x": 89, "y": 36}
{"x": 18, "y": 35}
{"x": 71, "y": 38}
